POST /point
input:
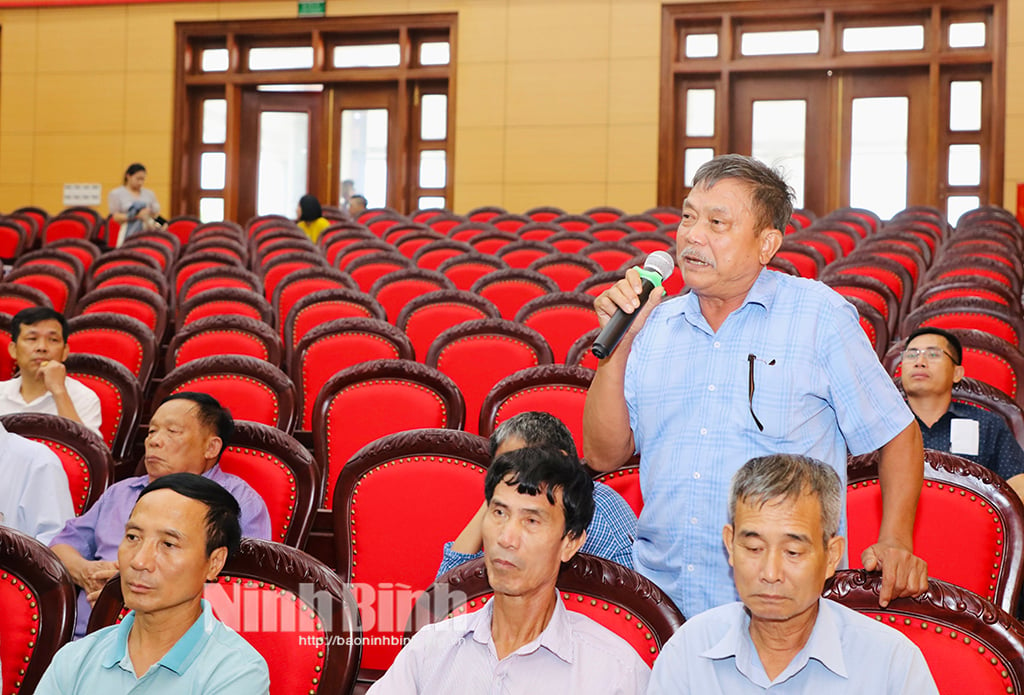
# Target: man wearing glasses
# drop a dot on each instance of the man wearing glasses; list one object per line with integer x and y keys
{"x": 931, "y": 365}
{"x": 750, "y": 363}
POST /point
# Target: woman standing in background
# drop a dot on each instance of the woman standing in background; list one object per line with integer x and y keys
{"x": 133, "y": 206}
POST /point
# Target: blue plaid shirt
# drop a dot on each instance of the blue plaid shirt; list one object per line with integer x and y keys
{"x": 610, "y": 535}
{"x": 819, "y": 390}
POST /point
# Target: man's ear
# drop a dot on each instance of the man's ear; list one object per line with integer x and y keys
{"x": 65, "y": 352}
{"x": 834, "y": 549}
{"x": 12, "y": 349}
{"x": 213, "y": 446}
{"x": 571, "y": 546}
{"x": 771, "y": 241}
{"x": 727, "y": 538}
{"x": 215, "y": 563}
{"x": 958, "y": 373}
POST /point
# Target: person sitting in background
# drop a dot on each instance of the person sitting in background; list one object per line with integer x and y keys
{"x": 187, "y": 434}
{"x": 524, "y": 640}
{"x": 931, "y": 365}
{"x": 610, "y": 534}
{"x": 311, "y": 217}
{"x": 356, "y": 206}
{"x": 132, "y": 205}
{"x": 181, "y": 531}
{"x": 34, "y": 498}
{"x": 782, "y": 544}
{"x": 39, "y": 346}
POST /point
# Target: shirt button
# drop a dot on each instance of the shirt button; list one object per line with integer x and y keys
{"x": 693, "y": 520}
{"x": 718, "y": 344}
{"x": 703, "y": 430}
{"x": 711, "y": 387}
{"x": 689, "y": 568}
{"x": 696, "y": 475}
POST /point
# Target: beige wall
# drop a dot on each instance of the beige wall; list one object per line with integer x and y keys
{"x": 556, "y": 102}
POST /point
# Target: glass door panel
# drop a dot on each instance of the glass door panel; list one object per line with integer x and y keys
{"x": 283, "y": 162}
{"x": 364, "y": 153}
{"x": 878, "y": 154}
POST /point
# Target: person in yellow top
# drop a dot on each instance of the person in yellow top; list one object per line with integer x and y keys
{"x": 311, "y": 217}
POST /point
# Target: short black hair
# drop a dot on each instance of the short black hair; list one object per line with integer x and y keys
{"x": 534, "y": 470}
{"x": 360, "y": 197}
{"x": 954, "y": 342}
{"x": 223, "y": 529}
{"x": 132, "y": 170}
{"x": 210, "y": 413}
{"x": 310, "y": 208}
{"x": 535, "y": 428}
{"x": 36, "y": 314}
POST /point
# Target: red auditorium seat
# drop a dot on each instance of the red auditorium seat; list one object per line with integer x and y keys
{"x": 219, "y": 244}
{"x": 118, "y": 337}
{"x": 619, "y": 599}
{"x": 509, "y": 222}
{"x": 873, "y": 323}
{"x": 66, "y": 226}
{"x": 808, "y": 260}
{"x": 326, "y": 305}
{"x": 964, "y": 286}
{"x": 573, "y": 223}
{"x": 571, "y": 242}
{"x": 478, "y": 354}
{"x": 219, "y": 277}
{"x": 186, "y": 266}
{"x": 538, "y": 231}
{"x": 466, "y": 269}
{"x": 970, "y": 645}
{"x": 335, "y": 345}
{"x": 649, "y": 242}
{"x": 367, "y": 401}
{"x": 485, "y": 213}
{"x": 279, "y": 268}
{"x": 963, "y": 506}
{"x": 54, "y": 257}
{"x": 491, "y": 242}
{"x": 665, "y": 215}
{"x": 358, "y": 249}
{"x": 395, "y": 290}
{"x": 333, "y": 241}
{"x": 561, "y": 317}
{"x": 425, "y": 317}
{"x": 183, "y": 227}
{"x": 120, "y": 398}
{"x": 552, "y": 388}
{"x": 59, "y": 285}
{"x": 467, "y": 231}
{"x": 968, "y": 313}
{"x": 945, "y": 269}
{"x": 224, "y": 335}
{"x": 250, "y": 388}
{"x": 544, "y": 213}
{"x": 604, "y": 213}
{"x": 37, "y": 600}
{"x": 610, "y": 231}
{"x": 510, "y": 289}
{"x": 304, "y": 282}
{"x": 612, "y": 255}
{"x": 135, "y": 276}
{"x": 308, "y": 645}
{"x": 137, "y": 302}
{"x": 625, "y": 480}
{"x": 871, "y": 290}
{"x": 520, "y": 254}
{"x": 14, "y": 298}
{"x": 13, "y": 240}
{"x": 566, "y": 269}
{"x": 123, "y": 257}
{"x": 430, "y": 480}
{"x": 579, "y": 354}
{"x": 431, "y": 255}
{"x": 368, "y": 269}
{"x": 159, "y": 252}
{"x": 220, "y": 302}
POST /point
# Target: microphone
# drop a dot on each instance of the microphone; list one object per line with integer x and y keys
{"x": 657, "y": 267}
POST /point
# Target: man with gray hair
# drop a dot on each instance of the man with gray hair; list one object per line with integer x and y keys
{"x": 782, "y": 542}
{"x": 611, "y": 533}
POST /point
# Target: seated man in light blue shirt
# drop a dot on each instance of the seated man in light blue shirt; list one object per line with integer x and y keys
{"x": 524, "y": 641}
{"x": 782, "y": 544}
{"x": 179, "y": 535}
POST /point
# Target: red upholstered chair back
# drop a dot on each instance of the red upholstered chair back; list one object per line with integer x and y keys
{"x": 120, "y": 397}
{"x": 250, "y": 388}
{"x": 969, "y": 526}
{"x": 571, "y": 242}
{"x": 370, "y": 268}
{"x": 368, "y": 401}
{"x": 618, "y": 598}
{"x": 224, "y": 335}
{"x": 338, "y": 344}
{"x": 360, "y": 249}
{"x": 580, "y": 354}
{"x": 137, "y": 302}
{"x": 86, "y": 458}
{"x": 567, "y": 270}
{"x": 37, "y": 601}
{"x": 479, "y": 354}
{"x": 303, "y": 283}
{"x": 573, "y": 223}
{"x": 155, "y": 250}
{"x": 51, "y": 256}
{"x": 873, "y": 324}
{"x": 468, "y": 231}
{"x": 189, "y": 265}
{"x": 561, "y": 318}
{"x": 281, "y": 267}
{"x": 611, "y": 255}
{"x": 219, "y": 277}
{"x": 284, "y": 474}
{"x": 58, "y": 284}
{"x": 65, "y": 227}
{"x": 510, "y": 289}
{"x": 521, "y": 254}
{"x": 12, "y": 240}
{"x": 14, "y": 298}
{"x": 492, "y": 242}
{"x": 225, "y": 301}
{"x": 611, "y": 231}
{"x": 118, "y": 337}
{"x": 626, "y": 482}
{"x": 322, "y": 306}
{"x": 544, "y": 213}
{"x": 604, "y": 214}
{"x": 289, "y": 606}
{"x": 183, "y": 227}
{"x": 466, "y": 269}
{"x": 132, "y": 275}
{"x": 431, "y": 255}
{"x": 394, "y": 290}
{"x": 430, "y": 480}
{"x": 539, "y": 231}
{"x": 969, "y": 313}
{"x": 427, "y": 316}
{"x": 553, "y": 388}
{"x": 485, "y": 213}
{"x": 7, "y": 365}
{"x": 970, "y": 645}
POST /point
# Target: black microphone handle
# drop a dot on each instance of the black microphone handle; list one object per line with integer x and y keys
{"x": 618, "y": 324}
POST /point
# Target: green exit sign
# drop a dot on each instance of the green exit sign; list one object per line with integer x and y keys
{"x": 312, "y": 9}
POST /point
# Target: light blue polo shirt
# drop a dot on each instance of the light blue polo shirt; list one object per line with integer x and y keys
{"x": 210, "y": 658}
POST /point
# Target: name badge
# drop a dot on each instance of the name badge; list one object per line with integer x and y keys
{"x": 963, "y": 436}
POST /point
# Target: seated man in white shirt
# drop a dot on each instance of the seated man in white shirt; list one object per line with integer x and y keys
{"x": 39, "y": 346}
{"x": 782, "y": 545}
{"x": 539, "y": 503}
{"x": 34, "y": 497}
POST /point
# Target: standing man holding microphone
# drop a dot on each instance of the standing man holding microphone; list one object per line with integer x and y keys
{"x": 750, "y": 363}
